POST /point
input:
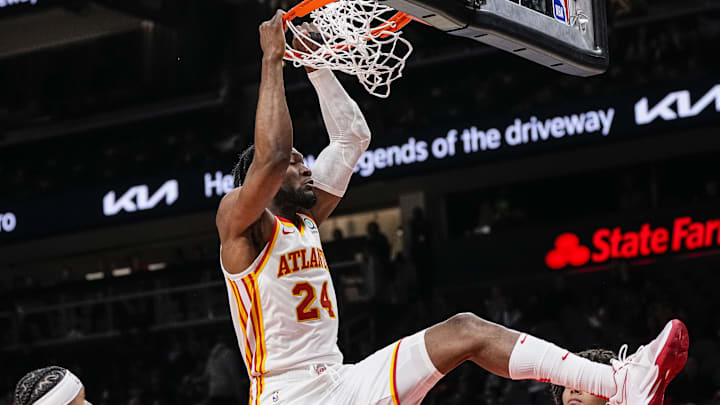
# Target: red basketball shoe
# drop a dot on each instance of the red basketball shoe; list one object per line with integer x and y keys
{"x": 642, "y": 377}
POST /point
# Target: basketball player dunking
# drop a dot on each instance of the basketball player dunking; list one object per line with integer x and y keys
{"x": 283, "y": 302}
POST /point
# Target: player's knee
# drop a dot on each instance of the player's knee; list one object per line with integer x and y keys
{"x": 465, "y": 320}
{"x": 469, "y": 327}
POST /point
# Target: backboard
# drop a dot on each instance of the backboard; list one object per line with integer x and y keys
{"x": 569, "y": 36}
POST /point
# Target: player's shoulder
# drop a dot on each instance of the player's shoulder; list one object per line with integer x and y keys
{"x": 228, "y": 199}
{"x": 241, "y": 249}
{"x": 225, "y": 206}
{"x": 261, "y": 225}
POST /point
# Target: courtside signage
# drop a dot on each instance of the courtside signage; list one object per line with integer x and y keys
{"x": 217, "y": 184}
{"x": 468, "y": 141}
{"x": 647, "y": 113}
{"x": 684, "y": 234}
{"x": 8, "y": 222}
{"x": 677, "y": 105}
{"x": 138, "y": 198}
{"x": 449, "y": 145}
{"x": 10, "y": 3}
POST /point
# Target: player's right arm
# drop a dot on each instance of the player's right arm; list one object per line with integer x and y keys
{"x": 244, "y": 209}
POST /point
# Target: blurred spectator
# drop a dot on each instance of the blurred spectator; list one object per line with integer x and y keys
{"x": 421, "y": 252}
{"x": 380, "y": 268}
{"x": 378, "y": 244}
{"x": 224, "y": 376}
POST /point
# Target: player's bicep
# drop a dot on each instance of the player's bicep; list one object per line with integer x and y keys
{"x": 326, "y": 204}
{"x": 243, "y": 206}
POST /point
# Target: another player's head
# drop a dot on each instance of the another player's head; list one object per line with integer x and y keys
{"x": 569, "y": 396}
{"x": 296, "y": 190}
{"x": 50, "y": 386}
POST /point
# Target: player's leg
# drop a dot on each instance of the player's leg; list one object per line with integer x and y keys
{"x": 510, "y": 354}
{"x": 401, "y": 373}
{"x": 468, "y": 337}
{"x": 519, "y": 356}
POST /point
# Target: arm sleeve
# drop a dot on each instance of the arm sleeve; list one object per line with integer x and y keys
{"x": 349, "y": 134}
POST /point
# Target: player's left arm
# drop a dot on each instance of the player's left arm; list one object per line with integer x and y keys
{"x": 349, "y": 137}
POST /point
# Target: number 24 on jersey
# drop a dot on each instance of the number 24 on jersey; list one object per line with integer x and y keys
{"x": 306, "y": 311}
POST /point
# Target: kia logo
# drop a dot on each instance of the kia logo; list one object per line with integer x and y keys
{"x": 676, "y": 105}
{"x": 138, "y": 198}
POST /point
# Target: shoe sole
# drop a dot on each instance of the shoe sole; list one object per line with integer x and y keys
{"x": 671, "y": 360}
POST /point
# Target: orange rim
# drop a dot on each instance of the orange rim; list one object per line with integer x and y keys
{"x": 305, "y": 7}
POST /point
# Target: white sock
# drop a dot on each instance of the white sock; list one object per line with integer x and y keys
{"x": 535, "y": 359}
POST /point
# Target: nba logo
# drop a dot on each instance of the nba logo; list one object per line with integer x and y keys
{"x": 276, "y": 396}
{"x": 560, "y": 10}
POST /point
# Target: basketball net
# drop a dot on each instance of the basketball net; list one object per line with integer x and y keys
{"x": 359, "y": 38}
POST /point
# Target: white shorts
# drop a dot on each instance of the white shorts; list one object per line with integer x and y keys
{"x": 401, "y": 373}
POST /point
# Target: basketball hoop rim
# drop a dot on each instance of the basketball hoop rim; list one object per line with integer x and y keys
{"x": 362, "y": 38}
{"x": 305, "y": 7}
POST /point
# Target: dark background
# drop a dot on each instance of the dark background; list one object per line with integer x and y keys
{"x": 105, "y": 95}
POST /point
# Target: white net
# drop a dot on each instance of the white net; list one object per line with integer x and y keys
{"x": 358, "y": 38}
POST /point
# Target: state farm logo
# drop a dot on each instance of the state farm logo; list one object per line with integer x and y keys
{"x": 568, "y": 251}
{"x": 138, "y": 198}
{"x": 616, "y": 243}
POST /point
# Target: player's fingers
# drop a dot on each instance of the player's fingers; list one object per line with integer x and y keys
{"x": 273, "y": 20}
{"x": 277, "y": 18}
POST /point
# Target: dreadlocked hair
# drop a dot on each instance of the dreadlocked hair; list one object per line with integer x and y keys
{"x": 243, "y": 165}
{"x": 595, "y": 355}
{"x": 35, "y": 384}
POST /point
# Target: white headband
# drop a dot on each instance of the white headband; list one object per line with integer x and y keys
{"x": 63, "y": 393}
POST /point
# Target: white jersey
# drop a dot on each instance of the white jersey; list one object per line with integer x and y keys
{"x": 283, "y": 306}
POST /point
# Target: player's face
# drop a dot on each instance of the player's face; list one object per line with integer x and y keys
{"x": 297, "y": 188}
{"x": 575, "y": 397}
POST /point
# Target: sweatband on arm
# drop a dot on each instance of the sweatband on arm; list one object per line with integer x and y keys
{"x": 349, "y": 134}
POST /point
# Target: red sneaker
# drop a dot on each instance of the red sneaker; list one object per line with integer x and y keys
{"x": 642, "y": 377}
